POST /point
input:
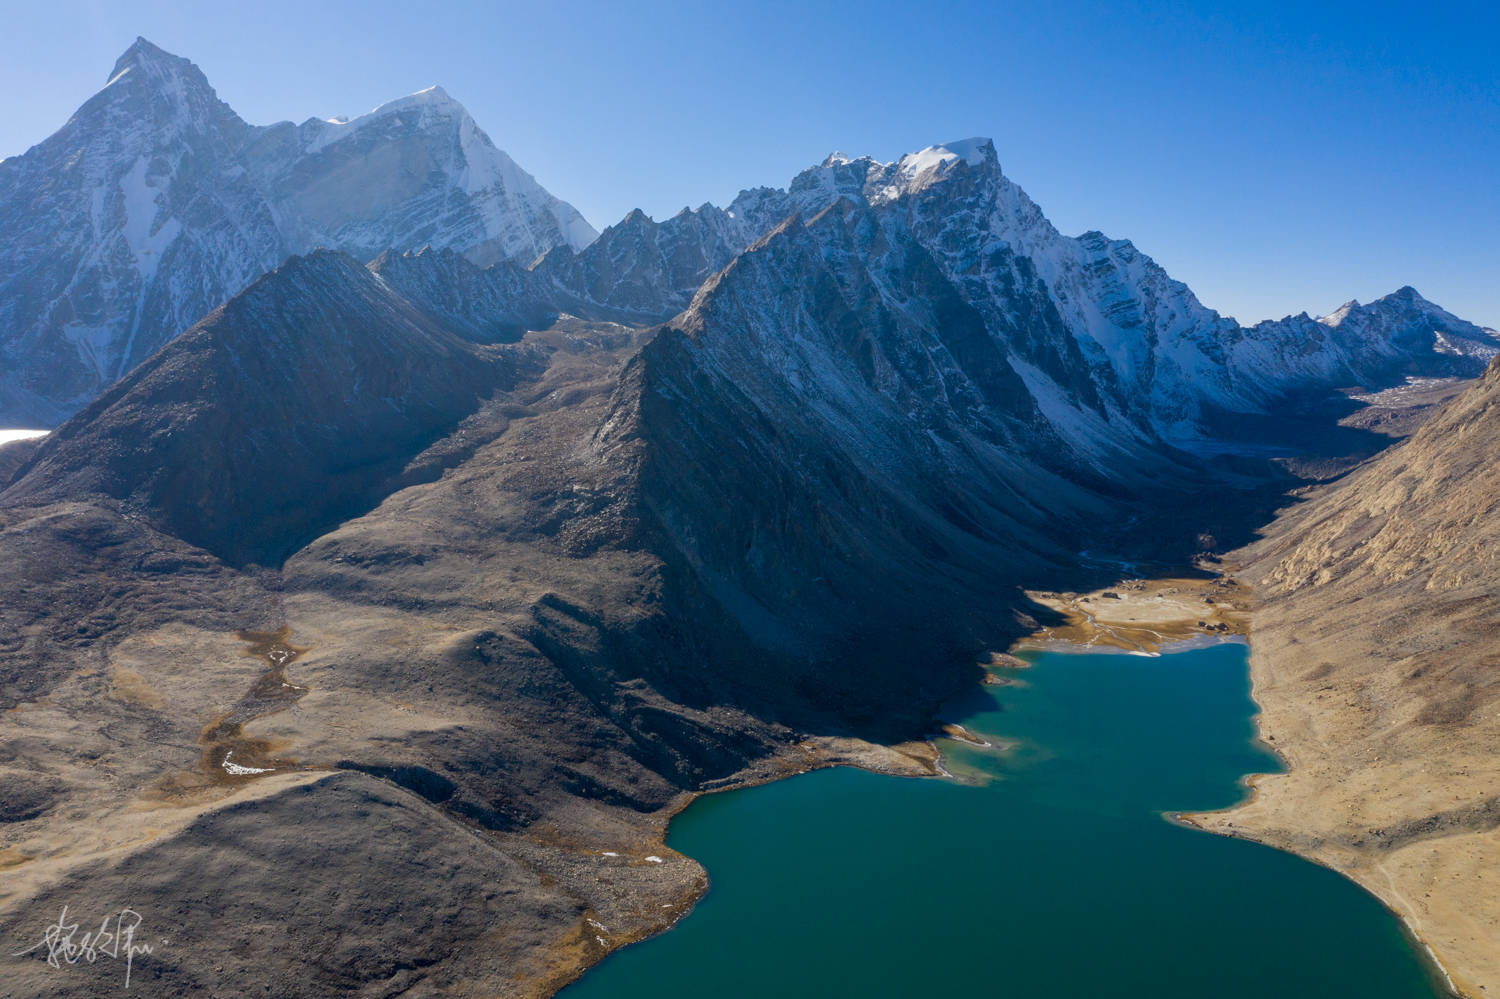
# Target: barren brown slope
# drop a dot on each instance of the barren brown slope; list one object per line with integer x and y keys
{"x": 460, "y": 763}
{"x": 1376, "y": 661}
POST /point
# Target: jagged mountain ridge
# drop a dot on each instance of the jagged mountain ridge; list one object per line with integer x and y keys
{"x": 1103, "y": 336}
{"x": 879, "y": 451}
{"x": 156, "y": 202}
{"x": 485, "y": 305}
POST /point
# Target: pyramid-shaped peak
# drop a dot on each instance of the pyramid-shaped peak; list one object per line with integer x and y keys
{"x": 434, "y": 94}
{"x": 143, "y": 54}
{"x": 1343, "y": 312}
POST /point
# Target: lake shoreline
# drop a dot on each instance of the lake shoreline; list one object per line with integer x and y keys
{"x": 1223, "y": 822}
{"x": 913, "y": 759}
{"x": 1114, "y": 620}
{"x": 971, "y": 744}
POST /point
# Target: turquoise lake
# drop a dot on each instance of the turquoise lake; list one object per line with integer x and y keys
{"x": 1048, "y": 871}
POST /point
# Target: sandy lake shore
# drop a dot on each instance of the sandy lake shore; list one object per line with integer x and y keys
{"x": 1144, "y": 615}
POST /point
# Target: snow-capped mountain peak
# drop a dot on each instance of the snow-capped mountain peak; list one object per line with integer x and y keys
{"x": 149, "y": 87}
{"x": 976, "y": 152}
{"x": 146, "y": 59}
{"x": 1096, "y": 328}
{"x": 156, "y": 202}
{"x": 432, "y": 103}
{"x": 1338, "y": 315}
{"x": 503, "y": 214}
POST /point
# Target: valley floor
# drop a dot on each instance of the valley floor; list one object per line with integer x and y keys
{"x": 1144, "y": 615}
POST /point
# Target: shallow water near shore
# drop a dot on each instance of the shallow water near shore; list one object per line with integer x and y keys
{"x": 1046, "y": 870}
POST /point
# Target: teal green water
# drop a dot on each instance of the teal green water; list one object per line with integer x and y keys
{"x": 1051, "y": 874}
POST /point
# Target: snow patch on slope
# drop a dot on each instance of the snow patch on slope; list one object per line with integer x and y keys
{"x": 145, "y": 239}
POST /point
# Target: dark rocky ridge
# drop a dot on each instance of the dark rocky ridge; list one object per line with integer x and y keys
{"x": 496, "y": 304}
{"x": 831, "y": 471}
{"x": 293, "y": 407}
{"x": 643, "y": 271}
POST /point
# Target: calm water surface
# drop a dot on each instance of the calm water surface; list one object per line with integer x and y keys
{"x": 1051, "y": 873}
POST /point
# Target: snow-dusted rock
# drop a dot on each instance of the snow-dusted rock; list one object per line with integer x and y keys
{"x": 1110, "y": 346}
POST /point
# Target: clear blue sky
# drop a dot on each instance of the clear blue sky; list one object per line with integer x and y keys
{"x": 1276, "y": 157}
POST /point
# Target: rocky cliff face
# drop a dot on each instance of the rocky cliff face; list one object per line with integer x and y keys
{"x": 495, "y": 304}
{"x": 882, "y": 462}
{"x": 156, "y": 202}
{"x": 641, "y": 270}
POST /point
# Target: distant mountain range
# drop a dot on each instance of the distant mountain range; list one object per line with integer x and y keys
{"x": 1107, "y": 343}
{"x": 156, "y": 202}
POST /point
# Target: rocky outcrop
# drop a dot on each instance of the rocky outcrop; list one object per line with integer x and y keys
{"x": 495, "y": 304}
